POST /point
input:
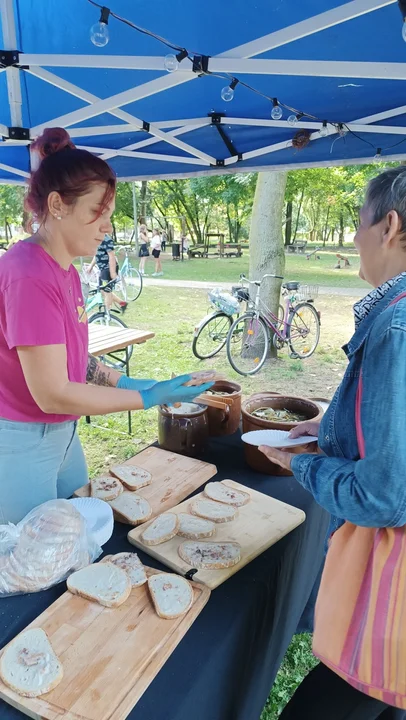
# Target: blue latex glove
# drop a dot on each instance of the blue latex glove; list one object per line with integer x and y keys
{"x": 172, "y": 391}
{"x": 128, "y": 383}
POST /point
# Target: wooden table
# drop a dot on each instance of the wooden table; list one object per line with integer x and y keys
{"x": 105, "y": 340}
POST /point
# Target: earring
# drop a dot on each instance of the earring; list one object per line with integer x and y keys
{"x": 58, "y": 217}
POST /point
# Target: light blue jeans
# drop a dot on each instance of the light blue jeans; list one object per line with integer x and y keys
{"x": 38, "y": 462}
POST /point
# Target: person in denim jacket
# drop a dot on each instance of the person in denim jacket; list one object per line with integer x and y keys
{"x": 370, "y": 492}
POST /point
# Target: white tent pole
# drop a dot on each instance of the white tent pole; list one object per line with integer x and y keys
{"x": 233, "y": 66}
{"x": 311, "y": 68}
{"x": 15, "y": 171}
{"x": 13, "y": 74}
{"x": 310, "y": 125}
{"x": 145, "y": 156}
{"x": 307, "y": 27}
{"x": 121, "y": 62}
{"x": 182, "y": 126}
{"x": 135, "y": 219}
{"x": 111, "y": 103}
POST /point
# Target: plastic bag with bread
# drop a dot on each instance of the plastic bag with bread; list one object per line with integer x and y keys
{"x": 44, "y": 548}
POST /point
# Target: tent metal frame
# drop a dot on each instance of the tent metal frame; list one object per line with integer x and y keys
{"x": 237, "y": 60}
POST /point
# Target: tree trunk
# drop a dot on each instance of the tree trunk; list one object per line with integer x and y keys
{"x": 266, "y": 237}
{"x": 299, "y": 208}
{"x": 341, "y": 232}
{"x": 143, "y": 202}
{"x": 288, "y": 223}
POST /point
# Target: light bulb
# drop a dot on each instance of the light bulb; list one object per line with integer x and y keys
{"x": 323, "y": 132}
{"x": 99, "y": 34}
{"x": 227, "y": 93}
{"x": 171, "y": 63}
{"x": 292, "y": 120}
{"x": 378, "y": 157}
{"x": 276, "y": 112}
{"x": 404, "y": 30}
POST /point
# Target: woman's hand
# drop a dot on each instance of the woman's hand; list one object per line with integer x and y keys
{"x": 172, "y": 391}
{"x": 279, "y": 457}
{"x": 308, "y": 427}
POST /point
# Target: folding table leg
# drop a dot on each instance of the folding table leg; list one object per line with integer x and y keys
{"x": 127, "y": 370}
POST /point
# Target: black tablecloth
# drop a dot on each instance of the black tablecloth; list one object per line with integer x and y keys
{"x": 224, "y": 667}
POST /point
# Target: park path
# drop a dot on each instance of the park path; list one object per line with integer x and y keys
{"x": 206, "y": 285}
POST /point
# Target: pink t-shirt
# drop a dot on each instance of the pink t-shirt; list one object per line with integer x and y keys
{"x": 40, "y": 304}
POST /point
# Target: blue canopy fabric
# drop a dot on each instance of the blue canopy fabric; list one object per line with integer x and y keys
{"x": 336, "y": 62}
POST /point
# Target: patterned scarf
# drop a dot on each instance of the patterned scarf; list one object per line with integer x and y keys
{"x": 364, "y": 306}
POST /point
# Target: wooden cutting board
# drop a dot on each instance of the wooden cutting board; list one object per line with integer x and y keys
{"x": 109, "y": 655}
{"x": 259, "y": 524}
{"x": 174, "y": 477}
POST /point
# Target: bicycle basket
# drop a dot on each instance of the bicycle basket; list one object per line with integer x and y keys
{"x": 224, "y": 301}
{"x": 308, "y": 292}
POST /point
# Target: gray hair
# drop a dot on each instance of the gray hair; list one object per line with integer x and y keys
{"x": 387, "y": 192}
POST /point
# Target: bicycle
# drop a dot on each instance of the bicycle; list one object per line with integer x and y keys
{"x": 210, "y": 335}
{"x": 249, "y": 336}
{"x": 129, "y": 278}
{"x": 129, "y": 282}
{"x": 107, "y": 318}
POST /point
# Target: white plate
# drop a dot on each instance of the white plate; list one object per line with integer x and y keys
{"x": 275, "y": 438}
{"x": 99, "y": 518}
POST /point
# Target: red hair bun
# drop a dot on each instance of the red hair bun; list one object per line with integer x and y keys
{"x": 51, "y": 141}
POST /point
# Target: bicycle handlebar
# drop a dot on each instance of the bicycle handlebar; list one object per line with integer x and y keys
{"x": 109, "y": 286}
{"x": 258, "y": 282}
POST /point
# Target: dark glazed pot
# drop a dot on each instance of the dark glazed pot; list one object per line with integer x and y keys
{"x": 257, "y": 460}
{"x": 184, "y": 430}
{"x": 227, "y": 421}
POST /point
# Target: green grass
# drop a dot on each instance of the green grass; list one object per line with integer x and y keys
{"x": 172, "y": 314}
{"x": 299, "y": 659}
{"x": 313, "y": 272}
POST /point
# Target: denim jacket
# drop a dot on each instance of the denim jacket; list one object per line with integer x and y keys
{"x": 369, "y": 492}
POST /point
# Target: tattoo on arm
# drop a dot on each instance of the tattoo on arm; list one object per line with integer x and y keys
{"x": 97, "y": 374}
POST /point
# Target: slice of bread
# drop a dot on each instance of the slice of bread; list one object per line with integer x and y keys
{"x": 160, "y": 530}
{"x": 200, "y": 377}
{"x": 172, "y": 595}
{"x": 194, "y": 528}
{"x": 132, "y": 565}
{"x": 132, "y": 507}
{"x": 132, "y": 476}
{"x": 106, "y": 488}
{"x": 212, "y": 510}
{"x": 210, "y": 555}
{"x": 225, "y": 494}
{"x": 104, "y": 583}
{"x": 29, "y": 665}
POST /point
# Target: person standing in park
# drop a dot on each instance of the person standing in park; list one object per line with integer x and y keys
{"x": 156, "y": 252}
{"x": 143, "y": 252}
{"x": 107, "y": 264}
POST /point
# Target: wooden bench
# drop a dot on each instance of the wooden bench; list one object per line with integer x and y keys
{"x": 298, "y": 247}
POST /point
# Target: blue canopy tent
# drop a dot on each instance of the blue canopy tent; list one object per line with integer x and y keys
{"x": 336, "y": 71}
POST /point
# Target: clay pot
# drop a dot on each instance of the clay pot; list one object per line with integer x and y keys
{"x": 227, "y": 421}
{"x": 183, "y": 430}
{"x": 255, "y": 459}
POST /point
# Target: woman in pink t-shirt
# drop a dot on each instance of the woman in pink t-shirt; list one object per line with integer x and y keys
{"x": 47, "y": 379}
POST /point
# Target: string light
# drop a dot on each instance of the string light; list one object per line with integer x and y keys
{"x": 378, "y": 156}
{"x": 171, "y": 61}
{"x": 99, "y": 32}
{"x": 99, "y": 35}
{"x": 402, "y": 8}
{"x": 276, "y": 112}
{"x": 227, "y": 92}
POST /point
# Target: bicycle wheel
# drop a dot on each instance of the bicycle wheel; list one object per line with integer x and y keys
{"x": 247, "y": 344}
{"x": 132, "y": 284}
{"x": 211, "y": 336}
{"x": 101, "y": 318}
{"x": 304, "y": 330}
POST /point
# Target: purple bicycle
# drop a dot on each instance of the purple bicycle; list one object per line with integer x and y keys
{"x": 251, "y": 333}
